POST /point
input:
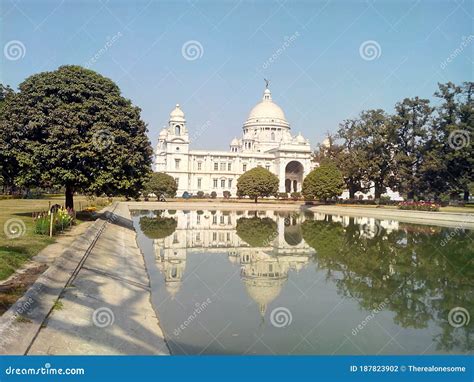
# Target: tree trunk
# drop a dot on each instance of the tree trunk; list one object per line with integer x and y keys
{"x": 466, "y": 196}
{"x": 69, "y": 197}
{"x": 377, "y": 192}
{"x": 352, "y": 192}
{"x": 256, "y": 199}
{"x": 410, "y": 195}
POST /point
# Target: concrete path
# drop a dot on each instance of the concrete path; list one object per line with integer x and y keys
{"x": 447, "y": 219}
{"x": 104, "y": 302}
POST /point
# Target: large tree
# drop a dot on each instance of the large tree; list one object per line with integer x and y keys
{"x": 257, "y": 183}
{"x": 8, "y": 163}
{"x": 72, "y": 128}
{"x": 324, "y": 182}
{"x": 413, "y": 123}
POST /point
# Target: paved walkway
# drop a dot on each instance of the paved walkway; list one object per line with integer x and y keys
{"x": 447, "y": 219}
{"x": 105, "y": 307}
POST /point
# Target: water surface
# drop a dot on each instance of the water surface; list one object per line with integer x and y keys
{"x": 272, "y": 282}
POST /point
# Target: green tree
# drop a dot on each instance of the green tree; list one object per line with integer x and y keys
{"x": 72, "y": 128}
{"x": 257, "y": 232}
{"x": 161, "y": 184}
{"x": 412, "y": 123}
{"x": 257, "y": 183}
{"x": 8, "y": 163}
{"x": 323, "y": 183}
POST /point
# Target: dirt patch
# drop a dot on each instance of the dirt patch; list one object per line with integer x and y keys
{"x": 12, "y": 290}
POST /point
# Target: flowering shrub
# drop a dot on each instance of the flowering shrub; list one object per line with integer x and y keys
{"x": 62, "y": 219}
{"x": 419, "y": 206}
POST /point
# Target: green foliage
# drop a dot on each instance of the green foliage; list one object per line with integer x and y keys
{"x": 213, "y": 194}
{"x": 157, "y": 228}
{"x": 200, "y": 194}
{"x": 72, "y": 128}
{"x": 257, "y": 183}
{"x": 257, "y": 232}
{"x": 296, "y": 195}
{"x": 282, "y": 195}
{"x": 226, "y": 194}
{"x": 161, "y": 184}
{"x": 324, "y": 182}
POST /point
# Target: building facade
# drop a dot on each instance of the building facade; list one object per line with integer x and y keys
{"x": 266, "y": 141}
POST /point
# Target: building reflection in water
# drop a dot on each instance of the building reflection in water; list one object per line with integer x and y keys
{"x": 265, "y": 266}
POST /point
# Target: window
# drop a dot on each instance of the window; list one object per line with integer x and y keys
{"x": 267, "y": 167}
{"x": 216, "y": 166}
{"x": 221, "y": 220}
{"x": 198, "y": 219}
{"x": 198, "y": 236}
{"x": 273, "y": 136}
{"x": 199, "y": 183}
{"x": 222, "y": 166}
{"x": 177, "y": 181}
{"x": 214, "y": 183}
{"x": 176, "y": 163}
{"x": 199, "y": 165}
{"x": 230, "y": 183}
{"x": 177, "y": 130}
{"x": 214, "y": 219}
{"x": 214, "y": 236}
{"x": 229, "y": 166}
{"x": 244, "y": 167}
{"x": 228, "y": 236}
{"x": 222, "y": 183}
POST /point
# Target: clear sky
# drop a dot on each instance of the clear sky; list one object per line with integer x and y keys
{"x": 331, "y": 59}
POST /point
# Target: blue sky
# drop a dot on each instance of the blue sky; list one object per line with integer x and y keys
{"x": 320, "y": 73}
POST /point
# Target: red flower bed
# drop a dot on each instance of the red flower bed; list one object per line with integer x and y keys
{"x": 419, "y": 206}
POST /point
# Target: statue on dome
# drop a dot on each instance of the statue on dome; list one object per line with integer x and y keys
{"x": 267, "y": 82}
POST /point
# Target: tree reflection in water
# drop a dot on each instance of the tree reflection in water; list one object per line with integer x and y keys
{"x": 421, "y": 275}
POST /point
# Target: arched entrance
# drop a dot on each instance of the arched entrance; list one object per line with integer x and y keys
{"x": 293, "y": 176}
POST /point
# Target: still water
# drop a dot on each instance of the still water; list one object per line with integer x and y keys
{"x": 273, "y": 282}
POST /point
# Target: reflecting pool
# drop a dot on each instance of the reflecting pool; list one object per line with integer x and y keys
{"x": 283, "y": 282}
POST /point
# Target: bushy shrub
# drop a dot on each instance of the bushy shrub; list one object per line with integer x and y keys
{"x": 282, "y": 195}
{"x": 213, "y": 194}
{"x": 200, "y": 194}
{"x": 226, "y": 194}
{"x": 295, "y": 195}
{"x": 419, "y": 206}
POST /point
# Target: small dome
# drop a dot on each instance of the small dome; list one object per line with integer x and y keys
{"x": 163, "y": 133}
{"x": 177, "y": 114}
{"x": 300, "y": 139}
{"x": 235, "y": 142}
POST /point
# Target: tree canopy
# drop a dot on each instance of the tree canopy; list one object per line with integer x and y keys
{"x": 257, "y": 183}
{"x": 257, "y": 232}
{"x": 72, "y": 128}
{"x": 324, "y": 182}
{"x": 161, "y": 184}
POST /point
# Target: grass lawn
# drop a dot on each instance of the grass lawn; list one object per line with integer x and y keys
{"x": 15, "y": 252}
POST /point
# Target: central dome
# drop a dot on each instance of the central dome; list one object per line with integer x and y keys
{"x": 267, "y": 111}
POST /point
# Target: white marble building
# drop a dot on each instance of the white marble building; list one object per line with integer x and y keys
{"x": 266, "y": 141}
